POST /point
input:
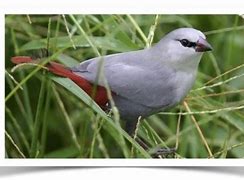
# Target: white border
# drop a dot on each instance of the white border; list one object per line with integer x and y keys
{"x": 123, "y": 162}
{"x": 2, "y": 90}
{"x": 110, "y": 7}
{"x": 123, "y": 6}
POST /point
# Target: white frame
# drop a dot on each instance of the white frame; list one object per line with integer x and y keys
{"x": 109, "y": 7}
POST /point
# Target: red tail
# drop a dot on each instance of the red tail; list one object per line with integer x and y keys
{"x": 58, "y": 69}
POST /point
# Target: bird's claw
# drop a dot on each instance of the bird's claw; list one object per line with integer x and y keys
{"x": 164, "y": 153}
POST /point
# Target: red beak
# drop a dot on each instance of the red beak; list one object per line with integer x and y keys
{"x": 202, "y": 45}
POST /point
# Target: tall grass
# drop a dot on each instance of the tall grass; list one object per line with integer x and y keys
{"x": 48, "y": 116}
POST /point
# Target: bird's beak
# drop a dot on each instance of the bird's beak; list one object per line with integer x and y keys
{"x": 202, "y": 45}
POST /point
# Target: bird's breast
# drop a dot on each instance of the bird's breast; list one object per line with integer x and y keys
{"x": 183, "y": 83}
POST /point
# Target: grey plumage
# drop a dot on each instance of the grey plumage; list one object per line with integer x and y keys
{"x": 150, "y": 80}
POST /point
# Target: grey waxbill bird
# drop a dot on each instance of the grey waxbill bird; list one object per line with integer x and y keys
{"x": 142, "y": 82}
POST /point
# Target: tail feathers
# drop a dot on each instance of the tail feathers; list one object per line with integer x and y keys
{"x": 22, "y": 59}
{"x": 58, "y": 69}
{"x": 101, "y": 94}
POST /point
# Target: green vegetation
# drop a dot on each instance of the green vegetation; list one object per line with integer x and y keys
{"x": 51, "y": 117}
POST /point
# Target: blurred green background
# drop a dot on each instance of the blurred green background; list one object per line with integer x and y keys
{"x": 46, "y": 120}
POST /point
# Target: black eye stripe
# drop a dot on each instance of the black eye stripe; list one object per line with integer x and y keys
{"x": 187, "y": 43}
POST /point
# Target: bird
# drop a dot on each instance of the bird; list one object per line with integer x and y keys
{"x": 142, "y": 82}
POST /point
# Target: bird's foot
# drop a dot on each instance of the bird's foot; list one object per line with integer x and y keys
{"x": 164, "y": 153}
{"x": 159, "y": 152}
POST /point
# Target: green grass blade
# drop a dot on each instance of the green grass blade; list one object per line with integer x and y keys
{"x": 45, "y": 118}
{"x": 107, "y": 43}
{"x": 38, "y": 121}
{"x": 18, "y": 129}
{"x": 67, "y": 120}
{"x": 109, "y": 125}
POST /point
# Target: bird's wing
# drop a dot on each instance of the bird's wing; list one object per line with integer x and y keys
{"x": 130, "y": 78}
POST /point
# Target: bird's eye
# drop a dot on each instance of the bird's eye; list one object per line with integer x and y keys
{"x": 184, "y": 42}
{"x": 187, "y": 43}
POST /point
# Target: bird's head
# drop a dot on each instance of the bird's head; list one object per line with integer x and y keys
{"x": 185, "y": 46}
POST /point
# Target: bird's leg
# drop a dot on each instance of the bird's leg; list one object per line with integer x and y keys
{"x": 164, "y": 153}
{"x": 132, "y": 129}
{"x": 161, "y": 152}
{"x": 142, "y": 143}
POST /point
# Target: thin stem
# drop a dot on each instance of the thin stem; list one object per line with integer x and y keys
{"x": 38, "y": 120}
{"x": 67, "y": 120}
{"x": 101, "y": 145}
{"x": 178, "y": 132}
{"x": 198, "y": 129}
{"x": 14, "y": 144}
{"x": 228, "y": 149}
{"x": 205, "y": 112}
{"x": 135, "y": 135}
{"x": 67, "y": 29}
{"x": 217, "y": 31}
{"x": 29, "y": 19}
{"x": 17, "y": 98}
{"x": 11, "y": 77}
{"x": 227, "y": 72}
{"x": 27, "y": 105}
{"x": 44, "y": 126}
{"x": 219, "y": 83}
{"x": 85, "y": 35}
{"x": 97, "y": 127}
{"x": 18, "y": 128}
{"x": 152, "y": 31}
{"x": 215, "y": 94}
{"x": 138, "y": 28}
